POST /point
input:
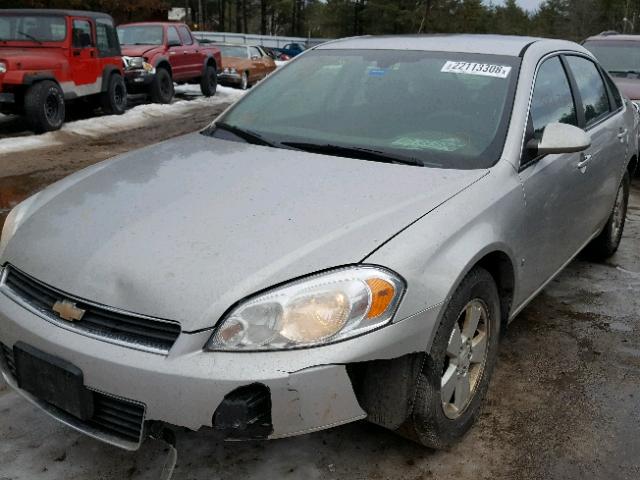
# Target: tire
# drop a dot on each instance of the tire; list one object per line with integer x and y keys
{"x": 436, "y": 422}
{"x": 162, "y": 87}
{"x": 244, "y": 81}
{"x": 607, "y": 243}
{"x": 44, "y": 106}
{"x": 114, "y": 100}
{"x": 209, "y": 81}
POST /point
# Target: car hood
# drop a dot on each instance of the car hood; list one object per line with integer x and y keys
{"x": 235, "y": 62}
{"x": 184, "y": 229}
{"x": 137, "y": 50}
{"x": 630, "y": 87}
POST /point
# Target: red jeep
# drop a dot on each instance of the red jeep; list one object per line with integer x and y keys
{"x": 51, "y": 57}
{"x": 156, "y": 54}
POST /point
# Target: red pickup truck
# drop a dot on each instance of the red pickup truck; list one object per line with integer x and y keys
{"x": 157, "y": 54}
{"x": 49, "y": 58}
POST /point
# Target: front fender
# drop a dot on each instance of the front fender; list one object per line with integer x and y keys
{"x": 437, "y": 252}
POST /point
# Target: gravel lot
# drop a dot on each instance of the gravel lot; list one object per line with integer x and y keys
{"x": 564, "y": 401}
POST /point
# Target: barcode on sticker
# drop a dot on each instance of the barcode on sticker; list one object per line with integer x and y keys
{"x": 470, "y": 68}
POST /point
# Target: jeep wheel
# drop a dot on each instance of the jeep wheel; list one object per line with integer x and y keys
{"x": 162, "y": 87}
{"x": 114, "y": 100}
{"x": 209, "y": 82}
{"x": 44, "y": 106}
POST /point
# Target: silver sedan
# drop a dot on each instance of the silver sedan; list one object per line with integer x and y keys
{"x": 346, "y": 242}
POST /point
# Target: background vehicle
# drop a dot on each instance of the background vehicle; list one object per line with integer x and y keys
{"x": 291, "y": 49}
{"x": 244, "y": 65}
{"x": 275, "y": 54}
{"x": 171, "y": 54}
{"x": 620, "y": 56}
{"x": 51, "y": 57}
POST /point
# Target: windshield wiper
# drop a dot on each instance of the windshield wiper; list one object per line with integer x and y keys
{"x": 626, "y": 72}
{"x": 247, "y": 135}
{"x": 357, "y": 152}
{"x": 30, "y": 37}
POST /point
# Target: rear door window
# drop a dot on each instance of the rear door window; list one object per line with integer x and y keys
{"x": 552, "y": 100}
{"x": 595, "y": 100}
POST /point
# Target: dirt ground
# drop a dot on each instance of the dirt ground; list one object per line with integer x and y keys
{"x": 564, "y": 402}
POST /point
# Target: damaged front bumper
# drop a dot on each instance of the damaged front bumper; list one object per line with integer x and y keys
{"x": 243, "y": 395}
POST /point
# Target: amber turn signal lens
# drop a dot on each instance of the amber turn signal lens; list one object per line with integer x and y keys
{"x": 382, "y": 294}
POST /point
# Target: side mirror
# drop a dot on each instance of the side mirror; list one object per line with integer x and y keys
{"x": 255, "y": 57}
{"x": 173, "y": 43}
{"x": 560, "y": 138}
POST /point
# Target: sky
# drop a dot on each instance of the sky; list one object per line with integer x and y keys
{"x": 526, "y": 4}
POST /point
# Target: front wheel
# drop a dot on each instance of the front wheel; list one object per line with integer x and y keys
{"x": 455, "y": 376}
{"x": 607, "y": 243}
{"x": 209, "y": 82}
{"x": 114, "y": 100}
{"x": 162, "y": 87}
{"x": 44, "y": 106}
{"x": 244, "y": 81}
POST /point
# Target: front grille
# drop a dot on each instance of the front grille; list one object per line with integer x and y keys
{"x": 113, "y": 416}
{"x": 7, "y": 354}
{"x": 117, "y": 417}
{"x": 135, "y": 331}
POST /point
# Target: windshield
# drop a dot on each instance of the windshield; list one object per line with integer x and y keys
{"x": 140, "y": 35}
{"x": 239, "y": 52}
{"x": 616, "y": 56}
{"x": 447, "y": 110}
{"x": 32, "y": 28}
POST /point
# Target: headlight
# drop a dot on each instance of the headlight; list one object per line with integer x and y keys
{"x": 13, "y": 221}
{"x": 636, "y": 103}
{"x": 133, "y": 63}
{"x": 316, "y": 310}
{"x": 3, "y": 67}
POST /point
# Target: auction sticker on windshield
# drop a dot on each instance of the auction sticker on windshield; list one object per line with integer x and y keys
{"x": 470, "y": 68}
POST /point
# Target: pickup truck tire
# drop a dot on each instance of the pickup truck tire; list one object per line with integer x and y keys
{"x": 114, "y": 100}
{"x": 607, "y": 243}
{"x": 44, "y": 106}
{"x": 162, "y": 87}
{"x": 455, "y": 375}
{"x": 209, "y": 81}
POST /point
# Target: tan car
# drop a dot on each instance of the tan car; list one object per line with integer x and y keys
{"x": 244, "y": 65}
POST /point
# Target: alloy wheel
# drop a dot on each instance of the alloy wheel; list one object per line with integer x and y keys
{"x": 618, "y": 214}
{"x": 466, "y": 357}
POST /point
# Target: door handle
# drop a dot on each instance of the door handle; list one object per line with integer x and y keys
{"x": 623, "y": 133}
{"x": 585, "y": 158}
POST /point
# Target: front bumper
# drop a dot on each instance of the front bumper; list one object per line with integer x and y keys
{"x": 229, "y": 78}
{"x": 309, "y": 389}
{"x": 138, "y": 78}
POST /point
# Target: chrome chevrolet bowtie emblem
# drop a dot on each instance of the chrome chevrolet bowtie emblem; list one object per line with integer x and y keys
{"x": 67, "y": 310}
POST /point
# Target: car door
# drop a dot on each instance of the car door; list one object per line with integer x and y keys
{"x": 176, "y": 54}
{"x": 555, "y": 190}
{"x": 85, "y": 72}
{"x": 258, "y": 68}
{"x": 605, "y": 159}
{"x": 191, "y": 55}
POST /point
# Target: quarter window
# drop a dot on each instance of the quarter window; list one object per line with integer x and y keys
{"x": 172, "y": 35}
{"x": 185, "y": 36}
{"x": 106, "y": 39}
{"x": 552, "y": 101}
{"x": 82, "y": 34}
{"x": 595, "y": 100}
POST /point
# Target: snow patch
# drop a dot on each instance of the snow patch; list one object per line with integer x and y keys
{"x": 187, "y": 97}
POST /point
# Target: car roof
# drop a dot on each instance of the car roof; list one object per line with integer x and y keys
{"x": 481, "y": 44}
{"x": 613, "y": 37}
{"x": 49, "y": 11}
